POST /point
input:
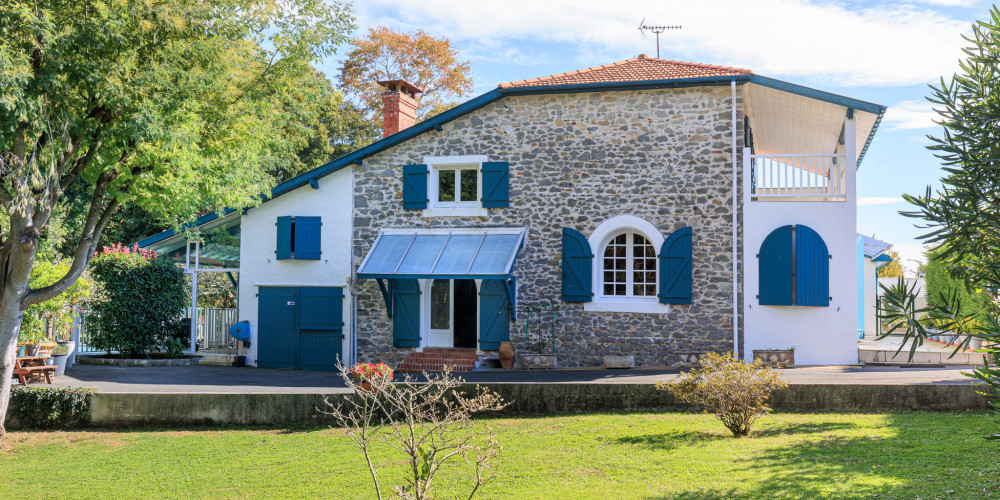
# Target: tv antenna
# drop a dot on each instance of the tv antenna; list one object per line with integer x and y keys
{"x": 655, "y": 29}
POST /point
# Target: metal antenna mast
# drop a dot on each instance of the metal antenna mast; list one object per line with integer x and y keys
{"x": 655, "y": 29}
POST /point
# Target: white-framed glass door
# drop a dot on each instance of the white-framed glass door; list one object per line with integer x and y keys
{"x": 442, "y": 314}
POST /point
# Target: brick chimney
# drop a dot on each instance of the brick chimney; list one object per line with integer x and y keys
{"x": 399, "y": 106}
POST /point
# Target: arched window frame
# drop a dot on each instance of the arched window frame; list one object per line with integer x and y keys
{"x": 598, "y": 240}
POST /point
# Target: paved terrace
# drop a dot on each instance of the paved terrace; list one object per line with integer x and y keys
{"x": 248, "y": 380}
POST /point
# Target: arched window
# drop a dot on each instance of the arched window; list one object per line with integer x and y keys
{"x": 793, "y": 268}
{"x": 628, "y": 266}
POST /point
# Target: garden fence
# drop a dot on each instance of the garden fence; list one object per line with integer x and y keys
{"x": 213, "y": 327}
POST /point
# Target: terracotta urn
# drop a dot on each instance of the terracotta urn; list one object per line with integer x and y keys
{"x": 506, "y": 354}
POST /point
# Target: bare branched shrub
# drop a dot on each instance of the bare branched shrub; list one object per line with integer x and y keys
{"x": 735, "y": 391}
{"x": 429, "y": 422}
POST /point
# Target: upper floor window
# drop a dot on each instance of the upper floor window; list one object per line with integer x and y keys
{"x": 457, "y": 186}
{"x": 628, "y": 266}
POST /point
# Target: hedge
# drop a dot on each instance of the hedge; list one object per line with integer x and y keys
{"x": 34, "y": 407}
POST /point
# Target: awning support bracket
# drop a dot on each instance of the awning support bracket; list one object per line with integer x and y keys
{"x": 386, "y": 294}
{"x": 510, "y": 295}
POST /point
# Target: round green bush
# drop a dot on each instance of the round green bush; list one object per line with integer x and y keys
{"x": 140, "y": 301}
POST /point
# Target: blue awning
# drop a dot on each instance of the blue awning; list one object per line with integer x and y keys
{"x": 467, "y": 254}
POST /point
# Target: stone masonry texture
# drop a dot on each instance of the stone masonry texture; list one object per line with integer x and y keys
{"x": 577, "y": 160}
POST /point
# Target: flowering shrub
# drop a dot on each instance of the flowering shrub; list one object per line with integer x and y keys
{"x": 366, "y": 372}
{"x": 140, "y": 301}
{"x": 735, "y": 391}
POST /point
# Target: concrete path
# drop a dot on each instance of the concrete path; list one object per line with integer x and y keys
{"x": 229, "y": 380}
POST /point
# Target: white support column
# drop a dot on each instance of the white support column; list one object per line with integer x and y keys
{"x": 194, "y": 297}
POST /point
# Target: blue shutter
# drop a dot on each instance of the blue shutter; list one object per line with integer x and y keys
{"x": 675, "y": 268}
{"x": 496, "y": 184}
{"x": 406, "y": 313}
{"x": 307, "y": 238}
{"x": 414, "y": 187}
{"x": 577, "y": 267}
{"x": 494, "y": 314}
{"x": 283, "y": 250}
{"x": 776, "y": 274}
{"x": 812, "y": 269}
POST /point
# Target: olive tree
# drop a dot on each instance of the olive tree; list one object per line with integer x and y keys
{"x": 168, "y": 105}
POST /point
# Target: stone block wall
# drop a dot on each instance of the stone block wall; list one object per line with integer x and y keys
{"x": 577, "y": 160}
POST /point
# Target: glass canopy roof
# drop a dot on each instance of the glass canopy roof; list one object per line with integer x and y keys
{"x": 458, "y": 254}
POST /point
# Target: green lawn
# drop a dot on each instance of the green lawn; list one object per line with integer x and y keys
{"x": 639, "y": 455}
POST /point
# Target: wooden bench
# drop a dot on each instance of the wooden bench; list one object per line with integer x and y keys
{"x": 27, "y": 367}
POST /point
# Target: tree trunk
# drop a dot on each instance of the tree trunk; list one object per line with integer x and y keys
{"x": 10, "y": 325}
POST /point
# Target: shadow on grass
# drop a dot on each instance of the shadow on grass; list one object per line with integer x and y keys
{"x": 852, "y": 460}
{"x": 675, "y": 438}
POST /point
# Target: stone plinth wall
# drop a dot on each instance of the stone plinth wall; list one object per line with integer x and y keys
{"x": 577, "y": 160}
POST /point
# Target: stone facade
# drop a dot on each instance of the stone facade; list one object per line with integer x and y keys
{"x": 577, "y": 160}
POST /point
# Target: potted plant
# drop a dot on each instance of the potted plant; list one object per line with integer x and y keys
{"x": 775, "y": 356}
{"x": 363, "y": 374}
{"x": 60, "y": 354}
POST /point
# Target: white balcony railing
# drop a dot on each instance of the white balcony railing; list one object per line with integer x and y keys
{"x": 810, "y": 177}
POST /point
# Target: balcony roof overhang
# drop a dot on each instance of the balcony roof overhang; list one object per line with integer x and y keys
{"x": 786, "y": 118}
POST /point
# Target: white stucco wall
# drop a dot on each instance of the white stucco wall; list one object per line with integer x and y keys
{"x": 258, "y": 267}
{"x": 820, "y": 335}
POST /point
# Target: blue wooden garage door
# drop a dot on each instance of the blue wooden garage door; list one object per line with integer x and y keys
{"x": 300, "y": 328}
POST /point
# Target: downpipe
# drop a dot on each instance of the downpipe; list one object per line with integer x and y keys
{"x": 736, "y": 311}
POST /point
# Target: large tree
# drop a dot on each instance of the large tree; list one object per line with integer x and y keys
{"x": 170, "y": 105}
{"x": 419, "y": 58}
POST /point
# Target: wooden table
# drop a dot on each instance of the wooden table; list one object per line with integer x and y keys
{"x": 27, "y": 367}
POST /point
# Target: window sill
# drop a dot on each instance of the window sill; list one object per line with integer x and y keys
{"x": 626, "y": 306}
{"x": 456, "y": 212}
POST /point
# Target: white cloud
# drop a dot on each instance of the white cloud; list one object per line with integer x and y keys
{"x": 885, "y": 45}
{"x": 877, "y": 200}
{"x": 906, "y": 115}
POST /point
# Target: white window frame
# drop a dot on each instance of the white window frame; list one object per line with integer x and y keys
{"x": 629, "y": 267}
{"x": 472, "y": 208}
{"x": 598, "y": 240}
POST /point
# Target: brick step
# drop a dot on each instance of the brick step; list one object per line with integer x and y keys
{"x": 435, "y": 359}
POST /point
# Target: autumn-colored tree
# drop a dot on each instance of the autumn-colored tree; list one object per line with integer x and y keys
{"x": 421, "y": 59}
{"x": 893, "y": 269}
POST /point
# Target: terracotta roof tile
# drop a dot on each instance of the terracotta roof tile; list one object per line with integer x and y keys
{"x": 641, "y": 68}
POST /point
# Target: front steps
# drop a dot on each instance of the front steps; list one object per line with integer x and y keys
{"x": 434, "y": 359}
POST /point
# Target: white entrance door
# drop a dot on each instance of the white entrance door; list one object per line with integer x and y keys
{"x": 442, "y": 328}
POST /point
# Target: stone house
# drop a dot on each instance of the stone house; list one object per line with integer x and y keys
{"x": 645, "y": 209}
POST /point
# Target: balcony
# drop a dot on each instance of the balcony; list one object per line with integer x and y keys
{"x": 808, "y": 177}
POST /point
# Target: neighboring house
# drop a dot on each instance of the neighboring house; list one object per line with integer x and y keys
{"x": 659, "y": 208}
{"x": 872, "y": 255}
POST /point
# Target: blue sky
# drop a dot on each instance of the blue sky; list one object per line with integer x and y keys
{"x": 884, "y": 52}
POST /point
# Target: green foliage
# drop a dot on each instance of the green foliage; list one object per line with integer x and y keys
{"x": 174, "y": 347}
{"x": 893, "y": 269}
{"x": 736, "y": 392}
{"x": 963, "y": 215}
{"x": 58, "y": 312}
{"x": 900, "y": 312}
{"x": 140, "y": 301}
{"x": 50, "y": 407}
{"x": 59, "y": 350}
{"x": 945, "y": 278}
